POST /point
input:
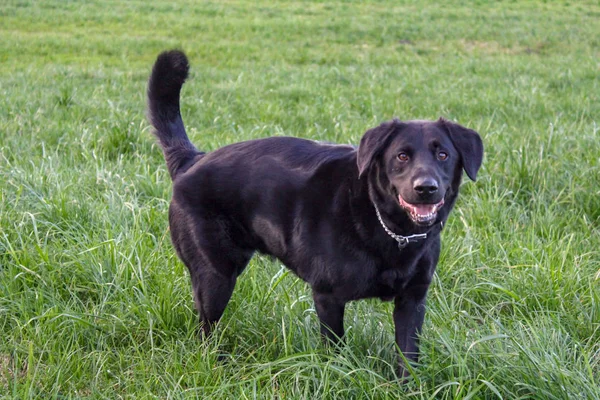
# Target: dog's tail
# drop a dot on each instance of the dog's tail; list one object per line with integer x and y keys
{"x": 168, "y": 75}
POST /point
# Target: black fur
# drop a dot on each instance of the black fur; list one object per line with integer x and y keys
{"x": 168, "y": 75}
{"x": 312, "y": 205}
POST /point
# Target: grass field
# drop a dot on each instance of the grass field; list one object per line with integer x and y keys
{"x": 94, "y": 302}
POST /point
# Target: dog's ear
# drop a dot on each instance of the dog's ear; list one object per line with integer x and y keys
{"x": 468, "y": 144}
{"x": 373, "y": 141}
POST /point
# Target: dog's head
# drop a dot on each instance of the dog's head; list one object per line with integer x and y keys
{"x": 419, "y": 163}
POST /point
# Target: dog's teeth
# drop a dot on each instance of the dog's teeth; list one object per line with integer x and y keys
{"x": 423, "y": 217}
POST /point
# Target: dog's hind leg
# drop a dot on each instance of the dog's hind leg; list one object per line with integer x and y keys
{"x": 214, "y": 262}
{"x": 213, "y": 279}
{"x": 212, "y": 292}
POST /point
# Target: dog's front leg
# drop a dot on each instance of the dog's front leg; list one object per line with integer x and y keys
{"x": 409, "y": 312}
{"x": 331, "y": 315}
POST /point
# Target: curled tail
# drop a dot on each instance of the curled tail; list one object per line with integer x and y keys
{"x": 168, "y": 75}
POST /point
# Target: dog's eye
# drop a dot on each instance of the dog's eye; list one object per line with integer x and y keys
{"x": 403, "y": 157}
{"x": 442, "y": 155}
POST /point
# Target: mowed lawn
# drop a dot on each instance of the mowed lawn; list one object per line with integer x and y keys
{"x": 95, "y": 304}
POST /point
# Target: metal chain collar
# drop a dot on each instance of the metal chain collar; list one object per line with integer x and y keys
{"x": 403, "y": 241}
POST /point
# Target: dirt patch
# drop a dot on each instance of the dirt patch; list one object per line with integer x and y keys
{"x": 7, "y": 371}
{"x": 489, "y": 47}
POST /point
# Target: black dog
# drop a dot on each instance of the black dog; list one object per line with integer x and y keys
{"x": 352, "y": 223}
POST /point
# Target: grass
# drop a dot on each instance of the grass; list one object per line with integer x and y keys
{"x": 93, "y": 301}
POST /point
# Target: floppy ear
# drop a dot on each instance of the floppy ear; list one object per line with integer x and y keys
{"x": 373, "y": 141}
{"x": 468, "y": 144}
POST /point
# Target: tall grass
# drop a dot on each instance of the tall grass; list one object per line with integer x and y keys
{"x": 93, "y": 301}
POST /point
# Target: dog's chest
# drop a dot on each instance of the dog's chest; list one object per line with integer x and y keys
{"x": 389, "y": 280}
{"x": 390, "y": 283}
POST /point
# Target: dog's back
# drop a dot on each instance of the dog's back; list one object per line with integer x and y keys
{"x": 275, "y": 179}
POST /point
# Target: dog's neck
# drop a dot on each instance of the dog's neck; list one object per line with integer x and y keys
{"x": 404, "y": 241}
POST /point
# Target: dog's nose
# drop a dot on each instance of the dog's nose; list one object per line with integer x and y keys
{"x": 425, "y": 186}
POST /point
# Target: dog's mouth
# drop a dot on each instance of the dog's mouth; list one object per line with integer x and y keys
{"x": 421, "y": 214}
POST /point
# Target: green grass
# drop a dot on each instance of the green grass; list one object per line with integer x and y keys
{"x": 93, "y": 301}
